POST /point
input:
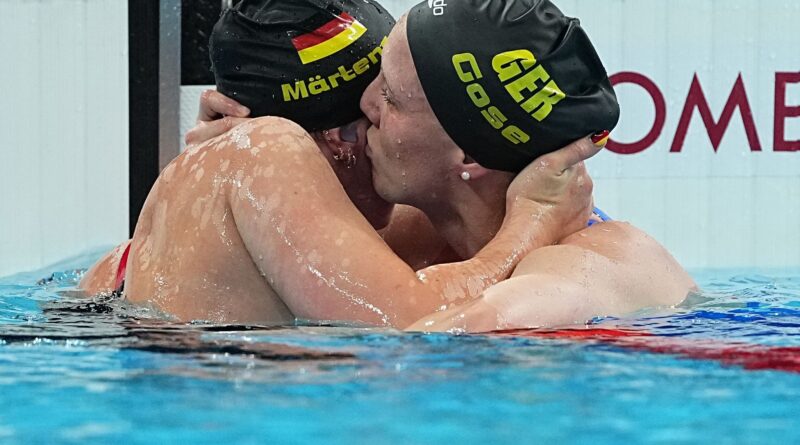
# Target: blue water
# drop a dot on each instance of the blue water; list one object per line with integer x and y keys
{"x": 72, "y": 376}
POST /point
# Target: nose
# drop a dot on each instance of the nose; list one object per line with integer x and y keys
{"x": 370, "y": 104}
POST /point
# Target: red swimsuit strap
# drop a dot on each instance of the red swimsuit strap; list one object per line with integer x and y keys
{"x": 123, "y": 266}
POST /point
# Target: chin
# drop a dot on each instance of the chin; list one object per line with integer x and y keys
{"x": 386, "y": 189}
{"x": 380, "y": 190}
{"x": 383, "y": 222}
{"x": 380, "y": 214}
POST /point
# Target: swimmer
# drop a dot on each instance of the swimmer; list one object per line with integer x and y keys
{"x": 259, "y": 225}
{"x": 535, "y": 72}
{"x": 457, "y": 113}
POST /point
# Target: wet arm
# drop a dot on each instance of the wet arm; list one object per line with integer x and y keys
{"x": 320, "y": 254}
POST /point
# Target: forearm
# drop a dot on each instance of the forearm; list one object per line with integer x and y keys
{"x": 520, "y": 302}
{"x": 342, "y": 269}
{"x": 523, "y": 230}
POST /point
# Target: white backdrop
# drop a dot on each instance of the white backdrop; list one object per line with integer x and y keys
{"x": 734, "y": 206}
{"x": 63, "y": 157}
{"x": 737, "y": 205}
{"x": 64, "y": 127}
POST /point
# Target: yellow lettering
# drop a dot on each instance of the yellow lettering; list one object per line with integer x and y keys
{"x": 495, "y": 117}
{"x": 544, "y": 100}
{"x": 512, "y": 63}
{"x": 458, "y": 62}
{"x": 527, "y": 82}
{"x": 507, "y": 65}
{"x": 361, "y": 66}
{"x": 378, "y": 51}
{"x": 478, "y": 95}
{"x": 318, "y": 84}
{"x": 515, "y": 135}
{"x": 332, "y": 79}
{"x": 346, "y": 74}
{"x": 299, "y": 91}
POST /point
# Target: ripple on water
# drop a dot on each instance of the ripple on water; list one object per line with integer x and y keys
{"x": 70, "y": 365}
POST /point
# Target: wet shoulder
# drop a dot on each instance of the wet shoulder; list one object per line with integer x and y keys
{"x": 615, "y": 240}
{"x": 261, "y": 145}
{"x": 256, "y": 137}
{"x": 271, "y": 134}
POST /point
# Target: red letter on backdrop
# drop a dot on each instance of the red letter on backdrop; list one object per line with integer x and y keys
{"x": 661, "y": 113}
{"x": 697, "y": 99}
{"x": 783, "y": 112}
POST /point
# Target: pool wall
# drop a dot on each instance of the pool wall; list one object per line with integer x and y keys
{"x": 64, "y": 129}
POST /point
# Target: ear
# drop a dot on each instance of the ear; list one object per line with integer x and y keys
{"x": 475, "y": 170}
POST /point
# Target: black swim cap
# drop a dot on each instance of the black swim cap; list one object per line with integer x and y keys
{"x": 305, "y": 60}
{"x": 509, "y": 80}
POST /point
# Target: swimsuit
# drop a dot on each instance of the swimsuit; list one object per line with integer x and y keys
{"x": 119, "y": 283}
{"x": 600, "y": 214}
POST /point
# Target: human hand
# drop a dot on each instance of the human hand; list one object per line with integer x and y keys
{"x": 218, "y": 114}
{"x": 559, "y": 183}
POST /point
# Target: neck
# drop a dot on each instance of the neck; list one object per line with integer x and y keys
{"x": 471, "y": 214}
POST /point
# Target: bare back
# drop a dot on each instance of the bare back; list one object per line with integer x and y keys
{"x": 187, "y": 251}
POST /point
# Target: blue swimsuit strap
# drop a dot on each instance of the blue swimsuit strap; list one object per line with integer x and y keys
{"x": 603, "y": 216}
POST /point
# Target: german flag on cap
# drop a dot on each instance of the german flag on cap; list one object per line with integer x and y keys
{"x": 309, "y": 51}
{"x": 329, "y": 38}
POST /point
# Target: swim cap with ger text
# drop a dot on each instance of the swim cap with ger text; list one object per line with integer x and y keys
{"x": 509, "y": 80}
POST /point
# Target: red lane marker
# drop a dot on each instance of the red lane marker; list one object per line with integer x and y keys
{"x": 748, "y": 356}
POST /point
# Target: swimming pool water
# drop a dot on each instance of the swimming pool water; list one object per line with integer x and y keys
{"x": 73, "y": 371}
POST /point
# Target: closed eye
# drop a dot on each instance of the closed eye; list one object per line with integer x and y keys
{"x": 385, "y": 96}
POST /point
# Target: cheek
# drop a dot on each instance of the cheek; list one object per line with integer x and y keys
{"x": 388, "y": 132}
{"x": 399, "y": 134}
